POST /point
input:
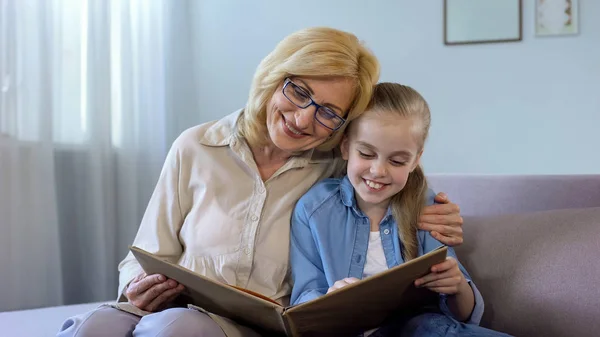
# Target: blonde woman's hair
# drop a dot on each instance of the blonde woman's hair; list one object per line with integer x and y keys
{"x": 322, "y": 52}
{"x": 405, "y": 102}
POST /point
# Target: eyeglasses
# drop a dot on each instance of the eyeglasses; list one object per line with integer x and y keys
{"x": 300, "y": 98}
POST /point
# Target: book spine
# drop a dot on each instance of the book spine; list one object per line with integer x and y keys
{"x": 290, "y": 327}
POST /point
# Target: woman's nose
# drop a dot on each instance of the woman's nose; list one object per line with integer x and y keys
{"x": 304, "y": 117}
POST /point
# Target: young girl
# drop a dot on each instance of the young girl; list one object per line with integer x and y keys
{"x": 351, "y": 228}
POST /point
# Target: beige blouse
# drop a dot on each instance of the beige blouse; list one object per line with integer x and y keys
{"x": 212, "y": 213}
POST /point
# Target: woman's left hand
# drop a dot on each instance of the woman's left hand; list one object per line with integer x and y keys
{"x": 443, "y": 220}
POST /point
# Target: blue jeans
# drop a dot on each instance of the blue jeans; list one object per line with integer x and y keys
{"x": 433, "y": 325}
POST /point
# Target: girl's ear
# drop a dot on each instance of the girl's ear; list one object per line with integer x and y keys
{"x": 416, "y": 162}
{"x": 345, "y": 147}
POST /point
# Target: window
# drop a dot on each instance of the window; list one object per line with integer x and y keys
{"x": 43, "y": 77}
{"x": 70, "y": 119}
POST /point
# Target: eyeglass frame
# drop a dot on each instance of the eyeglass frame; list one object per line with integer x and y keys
{"x": 312, "y": 102}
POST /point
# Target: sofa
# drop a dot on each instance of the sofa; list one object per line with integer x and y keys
{"x": 532, "y": 246}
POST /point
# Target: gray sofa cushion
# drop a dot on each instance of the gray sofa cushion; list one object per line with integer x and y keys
{"x": 539, "y": 273}
{"x": 43, "y": 322}
{"x": 498, "y": 194}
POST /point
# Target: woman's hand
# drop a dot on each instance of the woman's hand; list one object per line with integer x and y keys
{"x": 443, "y": 220}
{"x": 342, "y": 283}
{"x": 152, "y": 292}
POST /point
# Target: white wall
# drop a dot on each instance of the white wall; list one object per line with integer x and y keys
{"x": 530, "y": 107}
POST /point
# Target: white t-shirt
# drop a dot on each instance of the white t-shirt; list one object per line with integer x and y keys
{"x": 376, "y": 262}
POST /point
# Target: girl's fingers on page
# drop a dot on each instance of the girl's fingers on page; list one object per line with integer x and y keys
{"x": 342, "y": 283}
{"x": 423, "y": 281}
{"x": 339, "y": 284}
{"x": 444, "y": 290}
{"x": 332, "y": 288}
{"x": 450, "y": 281}
{"x": 443, "y": 266}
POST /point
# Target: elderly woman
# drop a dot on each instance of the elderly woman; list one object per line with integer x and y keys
{"x": 224, "y": 198}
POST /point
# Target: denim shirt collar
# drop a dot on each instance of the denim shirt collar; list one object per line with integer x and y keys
{"x": 349, "y": 199}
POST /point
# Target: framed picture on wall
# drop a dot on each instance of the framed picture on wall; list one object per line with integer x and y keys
{"x": 556, "y": 17}
{"x": 482, "y": 21}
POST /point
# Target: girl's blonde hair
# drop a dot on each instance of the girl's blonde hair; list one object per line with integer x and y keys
{"x": 322, "y": 52}
{"x": 406, "y": 102}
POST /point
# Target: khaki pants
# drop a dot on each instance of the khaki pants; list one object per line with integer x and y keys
{"x": 110, "y": 321}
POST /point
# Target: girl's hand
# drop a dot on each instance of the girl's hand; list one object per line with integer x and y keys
{"x": 445, "y": 278}
{"x": 443, "y": 220}
{"x": 342, "y": 283}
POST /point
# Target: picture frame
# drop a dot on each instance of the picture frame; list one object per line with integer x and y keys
{"x": 476, "y": 21}
{"x": 556, "y": 17}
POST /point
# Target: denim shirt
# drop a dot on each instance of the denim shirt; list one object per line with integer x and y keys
{"x": 330, "y": 237}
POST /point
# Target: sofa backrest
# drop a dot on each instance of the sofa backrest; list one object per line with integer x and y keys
{"x": 539, "y": 273}
{"x": 509, "y": 194}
